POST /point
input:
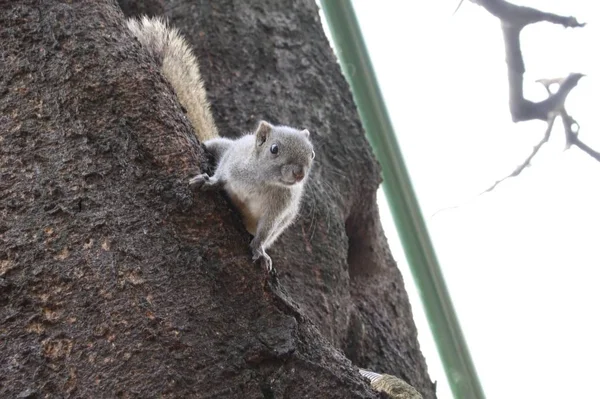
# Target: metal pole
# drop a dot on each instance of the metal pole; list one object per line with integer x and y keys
{"x": 352, "y": 52}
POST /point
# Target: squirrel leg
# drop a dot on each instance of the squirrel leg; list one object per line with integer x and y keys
{"x": 264, "y": 231}
{"x": 278, "y": 229}
{"x": 216, "y": 147}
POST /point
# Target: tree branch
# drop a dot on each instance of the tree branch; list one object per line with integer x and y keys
{"x": 527, "y": 161}
{"x": 513, "y": 19}
{"x": 573, "y": 138}
{"x": 521, "y": 16}
{"x": 570, "y": 125}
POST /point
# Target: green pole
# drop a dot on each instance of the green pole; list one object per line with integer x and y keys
{"x": 351, "y": 51}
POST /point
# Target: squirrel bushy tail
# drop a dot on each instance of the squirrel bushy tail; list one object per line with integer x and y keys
{"x": 180, "y": 68}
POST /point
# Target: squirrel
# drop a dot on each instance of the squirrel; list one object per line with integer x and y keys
{"x": 263, "y": 172}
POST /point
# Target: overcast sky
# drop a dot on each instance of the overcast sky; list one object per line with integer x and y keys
{"x": 521, "y": 263}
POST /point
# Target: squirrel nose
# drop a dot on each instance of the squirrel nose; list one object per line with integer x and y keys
{"x": 298, "y": 174}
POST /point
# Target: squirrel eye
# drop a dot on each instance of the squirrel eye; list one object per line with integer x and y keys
{"x": 312, "y": 155}
{"x": 274, "y": 149}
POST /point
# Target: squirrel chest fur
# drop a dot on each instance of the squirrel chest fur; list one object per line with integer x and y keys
{"x": 254, "y": 204}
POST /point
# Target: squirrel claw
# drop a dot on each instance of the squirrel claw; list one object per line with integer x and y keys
{"x": 266, "y": 259}
{"x": 272, "y": 272}
{"x": 268, "y": 264}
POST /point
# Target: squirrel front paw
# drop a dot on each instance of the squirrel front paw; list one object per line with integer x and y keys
{"x": 199, "y": 180}
{"x": 206, "y": 182}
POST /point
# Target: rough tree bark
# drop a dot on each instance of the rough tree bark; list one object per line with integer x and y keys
{"x": 117, "y": 280}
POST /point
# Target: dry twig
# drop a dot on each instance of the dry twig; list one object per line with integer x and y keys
{"x": 513, "y": 19}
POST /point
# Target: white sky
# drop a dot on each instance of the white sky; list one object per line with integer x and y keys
{"x": 521, "y": 263}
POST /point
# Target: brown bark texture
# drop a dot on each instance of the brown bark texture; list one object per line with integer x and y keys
{"x": 117, "y": 280}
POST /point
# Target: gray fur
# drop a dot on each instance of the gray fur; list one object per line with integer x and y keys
{"x": 180, "y": 67}
{"x": 266, "y": 187}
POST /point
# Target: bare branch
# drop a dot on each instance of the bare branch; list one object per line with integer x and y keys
{"x": 514, "y": 18}
{"x": 570, "y": 125}
{"x": 556, "y": 101}
{"x": 520, "y": 16}
{"x": 583, "y": 147}
{"x": 572, "y": 135}
{"x": 457, "y": 7}
{"x": 527, "y": 161}
{"x": 522, "y": 109}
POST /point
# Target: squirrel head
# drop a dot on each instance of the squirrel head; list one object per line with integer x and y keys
{"x": 284, "y": 153}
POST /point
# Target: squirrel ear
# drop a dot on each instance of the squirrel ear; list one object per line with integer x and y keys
{"x": 262, "y": 132}
{"x": 306, "y": 132}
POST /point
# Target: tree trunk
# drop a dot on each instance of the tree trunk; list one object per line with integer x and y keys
{"x": 116, "y": 280}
